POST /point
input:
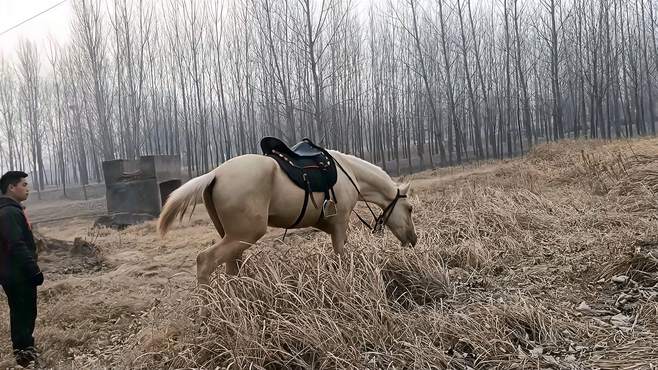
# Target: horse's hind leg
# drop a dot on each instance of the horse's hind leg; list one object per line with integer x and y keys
{"x": 233, "y": 266}
{"x": 212, "y": 210}
{"x": 226, "y": 250}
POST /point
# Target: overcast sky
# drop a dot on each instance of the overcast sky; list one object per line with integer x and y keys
{"x": 55, "y": 22}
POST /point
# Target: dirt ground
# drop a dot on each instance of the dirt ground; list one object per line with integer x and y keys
{"x": 547, "y": 262}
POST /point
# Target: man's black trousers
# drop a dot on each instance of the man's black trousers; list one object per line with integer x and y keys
{"x": 22, "y": 298}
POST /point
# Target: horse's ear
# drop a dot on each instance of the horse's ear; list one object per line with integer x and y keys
{"x": 404, "y": 188}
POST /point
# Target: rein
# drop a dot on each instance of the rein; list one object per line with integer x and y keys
{"x": 380, "y": 220}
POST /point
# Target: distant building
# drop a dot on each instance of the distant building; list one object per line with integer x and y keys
{"x": 137, "y": 189}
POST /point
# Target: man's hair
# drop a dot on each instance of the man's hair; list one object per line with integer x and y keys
{"x": 11, "y": 178}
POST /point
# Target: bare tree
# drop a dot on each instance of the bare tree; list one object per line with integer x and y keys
{"x": 552, "y": 7}
{"x": 521, "y": 77}
{"x": 416, "y": 36}
{"x": 58, "y": 130}
{"x": 8, "y": 107}
{"x": 89, "y": 34}
{"x": 29, "y": 71}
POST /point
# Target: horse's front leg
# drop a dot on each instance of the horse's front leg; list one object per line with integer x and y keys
{"x": 338, "y": 238}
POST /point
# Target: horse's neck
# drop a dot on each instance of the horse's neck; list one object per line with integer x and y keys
{"x": 375, "y": 184}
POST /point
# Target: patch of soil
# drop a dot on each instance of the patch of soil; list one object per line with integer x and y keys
{"x": 65, "y": 257}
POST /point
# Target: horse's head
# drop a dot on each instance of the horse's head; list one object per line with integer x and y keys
{"x": 400, "y": 221}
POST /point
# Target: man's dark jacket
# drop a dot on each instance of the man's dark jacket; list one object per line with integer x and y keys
{"x": 18, "y": 252}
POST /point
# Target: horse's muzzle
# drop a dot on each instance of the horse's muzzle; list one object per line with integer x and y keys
{"x": 411, "y": 240}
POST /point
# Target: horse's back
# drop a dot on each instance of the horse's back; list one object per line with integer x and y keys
{"x": 244, "y": 181}
{"x": 248, "y": 165}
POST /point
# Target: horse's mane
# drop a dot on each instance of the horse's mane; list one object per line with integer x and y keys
{"x": 370, "y": 166}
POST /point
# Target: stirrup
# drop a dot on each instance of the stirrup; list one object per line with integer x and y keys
{"x": 329, "y": 208}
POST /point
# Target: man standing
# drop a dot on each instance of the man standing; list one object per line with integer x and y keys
{"x": 19, "y": 273}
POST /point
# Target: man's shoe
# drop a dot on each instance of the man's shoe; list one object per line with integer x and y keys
{"x": 26, "y": 356}
{"x": 22, "y": 360}
{"x": 31, "y": 350}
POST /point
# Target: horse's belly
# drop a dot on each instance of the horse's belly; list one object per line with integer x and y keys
{"x": 285, "y": 208}
{"x": 287, "y": 200}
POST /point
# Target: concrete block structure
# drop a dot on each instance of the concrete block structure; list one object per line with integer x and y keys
{"x": 137, "y": 189}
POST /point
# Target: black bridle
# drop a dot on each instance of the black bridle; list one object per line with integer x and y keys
{"x": 380, "y": 220}
{"x": 386, "y": 214}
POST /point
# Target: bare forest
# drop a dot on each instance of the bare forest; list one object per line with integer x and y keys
{"x": 405, "y": 84}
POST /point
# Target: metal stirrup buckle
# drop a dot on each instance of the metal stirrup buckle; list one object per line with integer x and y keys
{"x": 329, "y": 208}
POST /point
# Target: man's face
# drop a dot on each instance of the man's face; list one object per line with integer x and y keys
{"x": 20, "y": 191}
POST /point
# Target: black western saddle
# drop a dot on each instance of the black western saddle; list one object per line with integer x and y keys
{"x": 310, "y": 167}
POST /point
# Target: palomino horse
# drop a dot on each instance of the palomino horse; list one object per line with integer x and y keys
{"x": 247, "y": 193}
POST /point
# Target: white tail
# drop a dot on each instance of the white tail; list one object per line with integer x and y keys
{"x": 182, "y": 198}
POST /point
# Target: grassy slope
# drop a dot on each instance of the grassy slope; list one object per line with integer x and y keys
{"x": 513, "y": 269}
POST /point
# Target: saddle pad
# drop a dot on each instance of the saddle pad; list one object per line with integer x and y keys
{"x": 303, "y": 158}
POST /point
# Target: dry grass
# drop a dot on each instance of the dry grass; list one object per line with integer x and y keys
{"x": 550, "y": 261}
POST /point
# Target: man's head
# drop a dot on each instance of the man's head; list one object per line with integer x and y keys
{"x": 14, "y": 185}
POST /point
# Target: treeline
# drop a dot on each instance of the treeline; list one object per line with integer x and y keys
{"x": 439, "y": 81}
